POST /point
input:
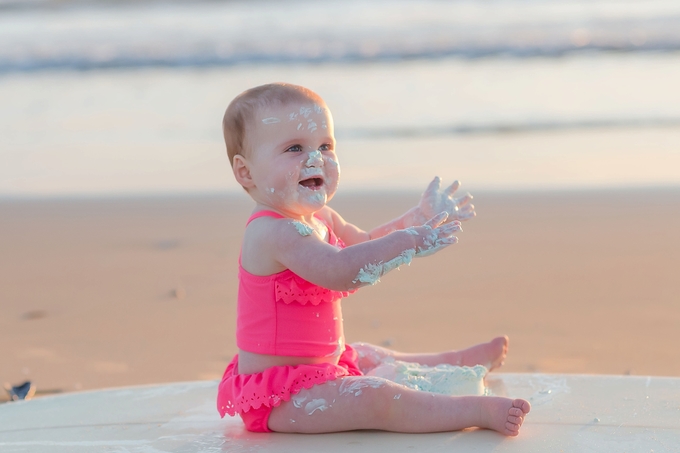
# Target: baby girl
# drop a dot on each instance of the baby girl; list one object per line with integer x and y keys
{"x": 299, "y": 258}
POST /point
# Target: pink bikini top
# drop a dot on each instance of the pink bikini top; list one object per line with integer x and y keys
{"x": 284, "y": 314}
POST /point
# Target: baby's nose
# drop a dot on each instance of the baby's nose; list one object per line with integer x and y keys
{"x": 314, "y": 159}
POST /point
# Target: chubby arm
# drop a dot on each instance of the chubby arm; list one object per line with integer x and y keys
{"x": 364, "y": 262}
{"x": 349, "y": 233}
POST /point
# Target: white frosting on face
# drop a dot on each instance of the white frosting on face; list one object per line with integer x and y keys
{"x": 289, "y": 148}
{"x": 313, "y": 167}
{"x": 318, "y": 198}
{"x": 315, "y": 158}
{"x": 311, "y": 172}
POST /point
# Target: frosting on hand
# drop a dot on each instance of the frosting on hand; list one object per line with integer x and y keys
{"x": 435, "y": 200}
{"x": 435, "y": 235}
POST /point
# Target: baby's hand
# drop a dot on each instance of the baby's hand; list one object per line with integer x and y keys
{"x": 436, "y": 200}
{"x": 434, "y": 235}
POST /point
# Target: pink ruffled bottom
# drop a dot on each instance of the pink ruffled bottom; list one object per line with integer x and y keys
{"x": 238, "y": 393}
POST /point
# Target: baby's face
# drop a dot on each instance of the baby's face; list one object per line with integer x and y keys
{"x": 292, "y": 157}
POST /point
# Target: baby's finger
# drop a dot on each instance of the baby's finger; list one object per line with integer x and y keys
{"x": 452, "y": 188}
{"x": 441, "y": 244}
{"x": 462, "y": 201}
{"x": 431, "y": 249}
{"x": 467, "y": 212}
{"x": 448, "y": 229}
{"x": 433, "y": 187}
{"x": 448, "y": 241}
{"x": 437, "y": 220}
{"x": 467, "y": 216}
{"x": 467, "y": 207}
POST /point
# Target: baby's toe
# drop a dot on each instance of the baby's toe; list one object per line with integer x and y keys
{"x": 517, "y": 412}
{"x": 523, "y": 405}
{"x": 516, "y": 420}
{"x": 512, "y": 428}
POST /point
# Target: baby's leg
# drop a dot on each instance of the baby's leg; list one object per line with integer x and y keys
{"x": 366, "y": 402}
{"x": 490, "y": 354}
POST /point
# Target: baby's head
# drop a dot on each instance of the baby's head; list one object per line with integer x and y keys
{"x": 244, "y": 111}
{"x": 281, "y": 146}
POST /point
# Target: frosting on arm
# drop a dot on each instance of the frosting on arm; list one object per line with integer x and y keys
{"x": 429, "y": 239}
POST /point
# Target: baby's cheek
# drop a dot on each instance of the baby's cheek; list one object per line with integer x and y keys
{"x": 282, "y": 189}
{"x": 332, "y": 173}
{"x": 272, "y": 194}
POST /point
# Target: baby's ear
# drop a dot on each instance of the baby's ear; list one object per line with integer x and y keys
{"x": 242, "y": 172}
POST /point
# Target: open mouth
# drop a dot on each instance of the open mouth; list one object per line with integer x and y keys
{"x": 312, "y": 183}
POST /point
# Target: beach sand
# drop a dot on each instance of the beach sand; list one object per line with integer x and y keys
{"x": 112, "y": 292}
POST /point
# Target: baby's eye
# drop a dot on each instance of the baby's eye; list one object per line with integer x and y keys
{"x": 326, "y": 147}
{"x": 294, "y": 149}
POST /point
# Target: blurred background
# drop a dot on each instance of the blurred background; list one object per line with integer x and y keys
{"x": 120, "y": 220}
{"x": 122, "y": 97}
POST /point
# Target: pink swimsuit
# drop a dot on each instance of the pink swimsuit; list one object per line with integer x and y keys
{"x": 272, "y": 308}
{"x": 283, "y": 314}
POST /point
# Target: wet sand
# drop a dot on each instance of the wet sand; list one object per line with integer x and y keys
{"x": 113, "y": 292}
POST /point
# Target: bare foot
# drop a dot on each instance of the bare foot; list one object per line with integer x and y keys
{"x": 491, "y": 354}
{"x": 504, "y": 415}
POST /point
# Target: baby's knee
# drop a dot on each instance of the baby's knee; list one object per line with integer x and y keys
{"x": 369, "y": 355}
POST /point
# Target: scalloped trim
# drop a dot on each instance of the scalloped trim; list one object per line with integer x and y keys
{"x": 276, "y": 400}
{"x": 297, "y": 289}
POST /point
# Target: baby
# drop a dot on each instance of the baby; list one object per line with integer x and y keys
{"x": 299, "y": 258}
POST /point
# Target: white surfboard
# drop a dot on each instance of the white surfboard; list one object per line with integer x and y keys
{"x": 570, "y": 413}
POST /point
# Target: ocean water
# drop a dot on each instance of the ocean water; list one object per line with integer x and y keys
{"x": 118, "y": 98}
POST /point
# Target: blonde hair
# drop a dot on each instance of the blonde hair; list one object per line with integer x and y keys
{"x": 244, "y": 107}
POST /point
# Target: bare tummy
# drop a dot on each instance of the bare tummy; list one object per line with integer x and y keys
{"x": 249, "y": 362}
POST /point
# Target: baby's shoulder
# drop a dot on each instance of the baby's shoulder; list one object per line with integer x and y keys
{"x": 270, "y": 232}
{"x": 263, "y": 243}
{"x": 263, "y": 226}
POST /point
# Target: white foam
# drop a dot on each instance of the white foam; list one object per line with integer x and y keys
{"x": 444, "y": 379}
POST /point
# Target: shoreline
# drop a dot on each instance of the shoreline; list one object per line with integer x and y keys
{"x": 235, "y": 195}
